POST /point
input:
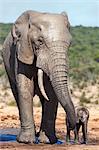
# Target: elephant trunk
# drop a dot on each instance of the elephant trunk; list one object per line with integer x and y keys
{"x": 59, "y": 77}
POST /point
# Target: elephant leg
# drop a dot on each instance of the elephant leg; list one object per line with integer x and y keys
{"x": 68, "y": 136}
{"x": 49, "y": 112}
{"x": 41, "y": 134}
{"x": 84, "y": 131}
{"x": 27, "y": 133}
{"x": 25, "y": 93}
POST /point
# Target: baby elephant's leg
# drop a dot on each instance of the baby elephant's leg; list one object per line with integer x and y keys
{"x": 84, "y": 131}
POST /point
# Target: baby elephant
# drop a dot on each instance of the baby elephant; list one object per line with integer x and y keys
{"x": 82, "y": 116}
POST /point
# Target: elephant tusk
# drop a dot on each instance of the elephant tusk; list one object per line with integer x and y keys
{"x": 40, "y": 83}
{"x": 13, "y": 31}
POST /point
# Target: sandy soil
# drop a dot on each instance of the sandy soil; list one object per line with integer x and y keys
{"x": 9, "y": 124}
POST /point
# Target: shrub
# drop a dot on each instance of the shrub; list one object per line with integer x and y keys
{"x": 2, "y": 72}
{"x": 83, "y": 99}
{"x": 96, "y": 102}
{"x": 12, "y": 103}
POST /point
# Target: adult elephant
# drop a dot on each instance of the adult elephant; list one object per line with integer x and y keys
{"x": 37, "y": 43}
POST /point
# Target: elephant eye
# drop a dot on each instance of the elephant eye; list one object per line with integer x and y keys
{"x": 29, "y": 26}
{"x": 41, "y": 40}
{"x": 37, "y": 43}
{"x": 19, "y": 35}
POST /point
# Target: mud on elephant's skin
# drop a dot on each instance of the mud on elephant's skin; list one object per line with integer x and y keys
{"x": 38, "y": 42}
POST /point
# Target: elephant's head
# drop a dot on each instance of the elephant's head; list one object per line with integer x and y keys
{"x": 47, "y": 37}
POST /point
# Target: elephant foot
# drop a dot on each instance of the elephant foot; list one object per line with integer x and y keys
{"x": 76, "y": 141}
{"x": 26, "y": 136}
{"x": 84, "y": 142}
{"x": 67, "y": 140}
{"x": 42, "y": 137}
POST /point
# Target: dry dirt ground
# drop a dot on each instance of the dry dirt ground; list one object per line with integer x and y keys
{"x": 9, "y": 124}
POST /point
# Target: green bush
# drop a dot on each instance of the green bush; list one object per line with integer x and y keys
{"x": 97, "y": 102}
{"x": 83, "y": 99}
{"x": 4, "y": 30}
{"x": 2, "y": 72}
{"x": 12, "y": 103}
{"x": 83, "y": 53}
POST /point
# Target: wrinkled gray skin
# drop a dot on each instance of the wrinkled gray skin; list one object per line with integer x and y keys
{"x": 39, "y": 40}
{"x": 82, "y": 116}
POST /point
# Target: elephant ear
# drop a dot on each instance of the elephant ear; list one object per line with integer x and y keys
{"x": 66, "y": 18}
{"x": 21, "y": 40}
